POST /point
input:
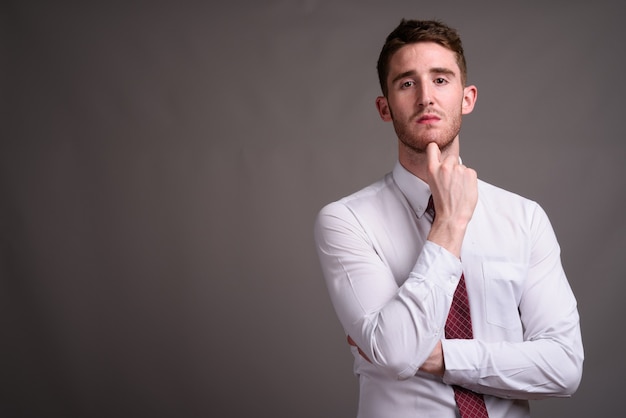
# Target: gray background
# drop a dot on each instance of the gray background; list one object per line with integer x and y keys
{"x": 162, "y": 164}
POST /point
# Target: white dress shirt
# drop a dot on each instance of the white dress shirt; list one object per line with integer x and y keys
{"x": 392, "y": 289}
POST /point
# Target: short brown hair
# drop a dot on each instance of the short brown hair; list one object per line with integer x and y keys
{"x": 413, "y": 31}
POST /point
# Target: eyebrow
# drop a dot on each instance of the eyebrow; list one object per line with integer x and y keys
{"x": 434, "y": 70}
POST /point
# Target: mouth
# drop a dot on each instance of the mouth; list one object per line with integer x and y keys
{"x": 428, "y": 118}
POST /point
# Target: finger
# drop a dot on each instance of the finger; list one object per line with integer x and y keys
{"x": 433, "y": 155}
{"x": 451, "y": 160}
{"x": 352, "y": 343}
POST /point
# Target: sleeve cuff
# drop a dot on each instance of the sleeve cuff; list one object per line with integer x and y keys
{"x": 460, "y": 358}
{"x": 439, "y": 266}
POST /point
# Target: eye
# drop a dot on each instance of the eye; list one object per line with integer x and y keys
{"x": 407, "y": 84}
{"x": 440, "y": 80}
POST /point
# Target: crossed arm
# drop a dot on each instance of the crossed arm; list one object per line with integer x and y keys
{"x": 434, "y": 364}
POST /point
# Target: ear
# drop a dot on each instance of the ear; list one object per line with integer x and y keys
{"x": 470, "y": 95}
{"x": 383, "y": 108}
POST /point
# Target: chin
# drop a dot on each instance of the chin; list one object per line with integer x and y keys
{"x": 445, "y": 145}
{"x": 420, "y": 147}
{"x": 418, "y": 141}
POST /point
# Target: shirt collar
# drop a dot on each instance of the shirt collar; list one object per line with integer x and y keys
{"x": 416, "y": 191}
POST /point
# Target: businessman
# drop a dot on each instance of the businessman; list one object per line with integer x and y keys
{"x": 450, "y": 290}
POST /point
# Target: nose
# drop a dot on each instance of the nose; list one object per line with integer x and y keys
{"x": 424, "y": 95}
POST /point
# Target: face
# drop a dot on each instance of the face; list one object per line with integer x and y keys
{"x": 426, "y": 97}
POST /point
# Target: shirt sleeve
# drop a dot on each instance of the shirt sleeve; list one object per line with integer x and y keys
{"x": 548, "y": 362}
{"x": 396, "y": 326}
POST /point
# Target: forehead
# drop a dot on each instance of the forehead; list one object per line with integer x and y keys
{"x": 422, "y": 57}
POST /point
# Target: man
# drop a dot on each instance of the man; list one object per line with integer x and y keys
{"x": 396, "y": 271}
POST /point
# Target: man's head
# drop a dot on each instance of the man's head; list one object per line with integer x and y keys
{"x": 413, "y": 31}
{"x": 422, "y": 73}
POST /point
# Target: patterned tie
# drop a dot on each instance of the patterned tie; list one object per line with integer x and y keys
{"x": 459, "y": 326}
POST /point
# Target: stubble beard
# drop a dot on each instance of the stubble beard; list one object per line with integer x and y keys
{"x": 418, "y": 142}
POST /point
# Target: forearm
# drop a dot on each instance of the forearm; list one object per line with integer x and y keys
{"x": 527, "y": 370}
{"x": 401, "y": 335}
{"x": 449, "y": 235}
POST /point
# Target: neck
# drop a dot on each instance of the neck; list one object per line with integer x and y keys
{"x": 416, "y": 162}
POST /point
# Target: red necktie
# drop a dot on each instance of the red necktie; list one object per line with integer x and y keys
{"x": 459, "y": 326}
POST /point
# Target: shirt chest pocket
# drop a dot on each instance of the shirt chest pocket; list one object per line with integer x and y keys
{"x": 503, "y": 288}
